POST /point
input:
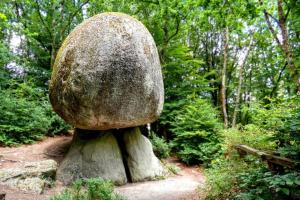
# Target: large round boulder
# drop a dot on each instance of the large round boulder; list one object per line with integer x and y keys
{"x": 107, "y": 75}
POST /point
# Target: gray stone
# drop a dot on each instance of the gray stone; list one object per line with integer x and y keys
{"x": 107, "y": 75}
{"x": 33, "y": 176}
{"x": 93, "y": 154}
{"x": 142, "y": 163}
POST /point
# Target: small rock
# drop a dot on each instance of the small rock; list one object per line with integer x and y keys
{"x": 30, "y": 177}
{"x": 35, "y": 184}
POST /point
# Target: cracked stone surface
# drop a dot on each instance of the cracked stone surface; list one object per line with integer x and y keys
{"x": 32, "y": 176}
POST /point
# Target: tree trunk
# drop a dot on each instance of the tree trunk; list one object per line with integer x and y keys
{"x": 238, "y": 95}
{"x": 284, "y": 45}
{"x": 223, "y": 83}
{"x": 53, "y": 55}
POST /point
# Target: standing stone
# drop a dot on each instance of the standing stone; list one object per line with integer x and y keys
{"x": 142, "y": 163}
{"x": 93, "y": 154}
{"x": 107, "y": 75}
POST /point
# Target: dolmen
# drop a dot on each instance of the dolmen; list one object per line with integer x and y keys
{"x": 106, "y": 82}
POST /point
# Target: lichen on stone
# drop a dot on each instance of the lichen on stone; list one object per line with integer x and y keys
{"x": 107, "y": 74}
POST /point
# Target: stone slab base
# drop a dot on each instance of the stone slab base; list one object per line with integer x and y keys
{"x": 119, "y": 155}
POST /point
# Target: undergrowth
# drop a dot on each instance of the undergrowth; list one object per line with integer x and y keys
{"x": 274, "y": 128}
{"x": 89, "y": 189}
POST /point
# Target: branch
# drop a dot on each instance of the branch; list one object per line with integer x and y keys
{"x": 41, "y": 18}
{"x": 154, "y": 2}
{"x": 177, "y": 29}
{"x": 278, "y": 79}
{"x": 287, "y": 13}
{"x": 74, "y": 14}
{"x": 17, "y": 10}
{"x": 266, "y": 15}
{"x": 276, "y": 20}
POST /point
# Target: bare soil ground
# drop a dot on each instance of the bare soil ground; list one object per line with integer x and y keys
{"x": 182, "y": 186}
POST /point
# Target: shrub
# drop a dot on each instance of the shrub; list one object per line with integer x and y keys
{"x": 289, "y": 133}
{"x": 223, "y": 175}
{"x": 251, "y": 135}
{"x": 234, "y": 178}
{"x": 196, "y": 128}
{"x": 26, "y": 115}
{"x": 271, "y": 116}
{"x": 89, "y": 189}
{"x": 262, "y": 184}
{"x": 160, "y": 146}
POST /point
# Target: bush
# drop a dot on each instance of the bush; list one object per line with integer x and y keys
{"x": 26, "y": 115}
{"x": 271, "y": 116}
{"x": 196, "y": 127}
{"x": 289, "y": 133}
{"x": 262, "y": 184}
{"x": 222, "y": 176}
{"x": 89, "y": 189}
{"x": 234, "y": 178}
{"x": 160, "y": 146}
{"x": 250, "y": 180}
{"x": 251, "y": 135}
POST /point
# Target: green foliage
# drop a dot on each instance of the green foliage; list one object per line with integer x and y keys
{"x": 89, "y": 189}
{"x": 4, "y": 54}
{"x": 275, "y": 128}
{"x": 262, "y": 184}
{"x": 280, "y": 122}
{"x": 196, "y": 127}
{"x": 289, "y": 133}
{"x": 222, "y": 176}
{"x": 160, "y": 146}
{"x": 250, "y": 181}
{"x": 251, "y": 135}
{"x": 26, "y": 115}
{"x": 271, "y": 115}
{"x": 190, "y": 37}
{"x": 23, "y": 121}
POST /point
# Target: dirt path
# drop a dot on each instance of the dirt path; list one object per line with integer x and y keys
{"x": 182, "y": 186}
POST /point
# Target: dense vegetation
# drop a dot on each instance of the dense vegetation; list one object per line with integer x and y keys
{"x": 231, "y": 75}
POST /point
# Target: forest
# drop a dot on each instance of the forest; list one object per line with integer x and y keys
{"x": 231, "y": 72}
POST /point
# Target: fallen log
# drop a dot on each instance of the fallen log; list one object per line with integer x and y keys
{"x": 275, "y": 162}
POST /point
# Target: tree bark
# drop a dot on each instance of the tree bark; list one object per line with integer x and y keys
{"x": 223, "y": 83}
{"x": 238, "y": 95}
{"x": 284, "y": 45}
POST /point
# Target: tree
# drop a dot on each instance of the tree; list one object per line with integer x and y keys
{"x": 223, "y": 83}
{"x": 239, "y": 87}
{"x": 45, "y": 24}
{"x": 283, "y": 12}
